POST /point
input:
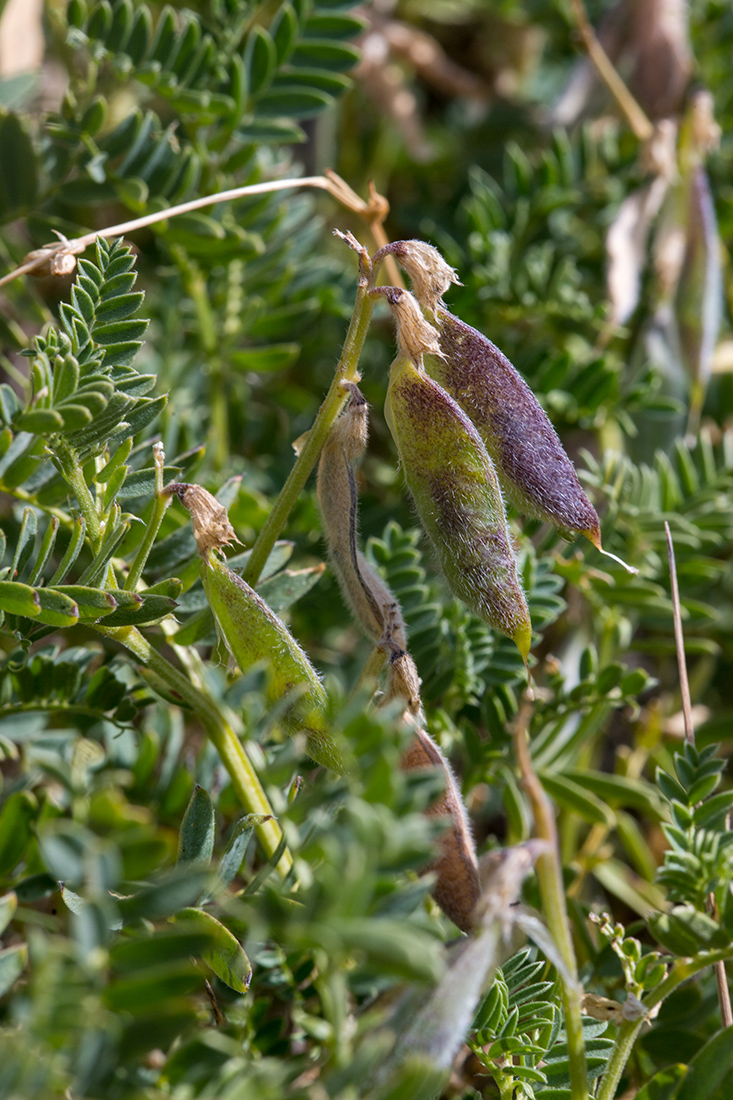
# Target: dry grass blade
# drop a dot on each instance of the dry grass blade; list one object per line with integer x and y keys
{"x": 726, "y": 1013}
{"x": 679, "y": 641}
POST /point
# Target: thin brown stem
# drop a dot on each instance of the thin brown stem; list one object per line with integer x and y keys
{"x": 555, "y": 911}
{"x": 721, "y": 981}
{"x": 679, "y": 641}
{"x": 632, "y": 111}
{"x": 49, "y": 259}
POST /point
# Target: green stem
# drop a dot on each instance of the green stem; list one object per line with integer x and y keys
{"x": 29, "y": 498}
{"x": 681, "y": 972}
{"x": 232, "y": 753}
{"x": 194, "y": 283}
{"x": 73, "y": 473}
{"x": 58, "y": 708}
{"x": 160, "y": 505}
{"x": 554, "y": 908}
{"x": 346, "y": 371}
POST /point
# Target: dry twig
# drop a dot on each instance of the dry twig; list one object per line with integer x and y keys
{"x": 726, "y": 1014}
{"x": 634, "y": 114}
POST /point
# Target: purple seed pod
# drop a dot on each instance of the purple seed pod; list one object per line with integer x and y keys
{"x": 533, "y": 468}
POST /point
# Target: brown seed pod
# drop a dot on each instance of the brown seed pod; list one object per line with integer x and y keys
{"x": 369, "y": 598}
{"x": 457, "y": 888}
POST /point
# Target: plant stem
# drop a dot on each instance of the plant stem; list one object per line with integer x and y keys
{"x": 373, "y": 213}
{"x": 554, "y": 907}
{"x": 160, "y": 504}
{"x": 73, "y": 473}
{"x": 681, "y": 972}
{"x": 635, "y": 116}
{"x": 721, "y": 980}
{"x": 232, "y": 753}
{"x": 346, "y": 371}
{"x": 29, "y": 498}
{"x": 194, "y": 283}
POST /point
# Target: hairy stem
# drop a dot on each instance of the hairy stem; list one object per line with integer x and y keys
{"x": 194, "y": 282}
{"x": 346, "y": 371}
{"x": 73, "y": 473}
{"x": 232, "y": 753}
{"x": 635, "y": 116}
{"x": 160, "y": 504}
{"x": 554, "y": 907}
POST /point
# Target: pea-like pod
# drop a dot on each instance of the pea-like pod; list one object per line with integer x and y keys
{"x": 533, "y": 468}
{"x": 457, "y": 888}
{"x": 457, "y": 495}
{"x": 253, "y": 633}
{"x": 369, "y": 598}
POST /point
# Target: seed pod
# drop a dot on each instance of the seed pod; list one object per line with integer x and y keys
{"x": 533, "y": 468}
{"x": 371, "y": 601}
{"x": 457, "y": 495}
{"x": 457, "y": 888}
{"x": 535, "y": 472}
{"x": 253, "y": 633}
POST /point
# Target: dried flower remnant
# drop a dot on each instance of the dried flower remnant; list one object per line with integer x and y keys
{"x": 457, "y": 888}
{"x": 253, "y": 633}
{"x": 416, "y": 337}
{"x": 458, "y": 499}
{"x": 211, "y": 526}
{"x": 429, "y": 273}
{"x": 369, "y": 598}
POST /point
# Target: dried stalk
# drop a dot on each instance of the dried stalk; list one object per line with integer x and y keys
{"x": 632, "y": 111}
{"x": 56, "y": 258}
{"x": 726, "y": 1014}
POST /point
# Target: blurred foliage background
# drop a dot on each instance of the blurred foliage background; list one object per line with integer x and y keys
{"x": 480, "y": 124}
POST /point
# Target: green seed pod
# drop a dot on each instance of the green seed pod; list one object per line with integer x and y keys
{"x": 458, "y": 499}
{"x": 369, "y": 598}
{"x": 457, "y": 888}
{"x": 533, "y": 468}
{"x": 253, "y": 633}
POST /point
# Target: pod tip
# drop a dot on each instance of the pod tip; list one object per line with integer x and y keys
{"x": 522, "y": 638}
{"x": 594, "y": 534}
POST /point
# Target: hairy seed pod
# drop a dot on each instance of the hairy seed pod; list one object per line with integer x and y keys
{"x": 533, "y": 468}
{"x": 457, "y": 888}
{"x": 457, "y": 495}
{"x": 253, "y": 633}
{"x": 371, "y": 601}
